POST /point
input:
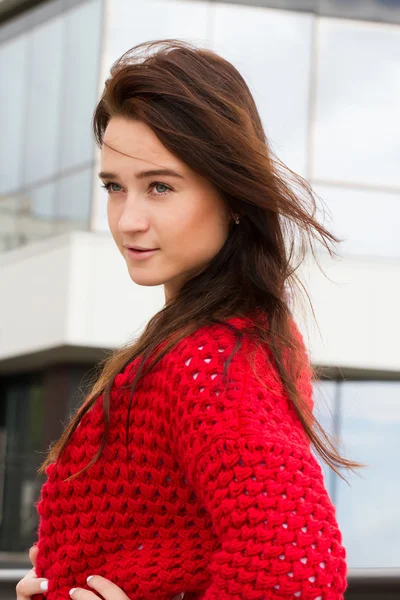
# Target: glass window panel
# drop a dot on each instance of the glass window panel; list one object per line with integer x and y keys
{"x": 100, "y": 220}
{"x": 367, "y": 231}
{"x": 357, "y": 125}
{"x": 132, "y": 22}
{"x": 27, "y": 216}
{"x": 45, "y": 96}
{"x": 272, "y": 50}
{"x": 41, "y": 201}
{"x": 33, "y": 229}
{"x": 83, "y": 31}
{"x": 368, "y": 509}
{"x": 75, "y": 200}
{"x": 374, "y": 10}
{"x": 13, "y": 93}
{"x": 36, "y": 220}
{"x": 380, "y": 10}
{"x": 324, "y": 393}
{"x": 10, "y": 207}
{"x": 24, "y": 417}
{"x": 305, "y": 5}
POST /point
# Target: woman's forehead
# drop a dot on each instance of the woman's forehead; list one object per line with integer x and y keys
{"x": 136, "y": 142}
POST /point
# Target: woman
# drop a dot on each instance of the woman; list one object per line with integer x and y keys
{"x": 208, "y": 486}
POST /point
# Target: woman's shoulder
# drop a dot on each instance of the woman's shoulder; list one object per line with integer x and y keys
{"x": 218, "y": 348}
{"x": 221, "y": 331}
{"x": 229, "y": 387}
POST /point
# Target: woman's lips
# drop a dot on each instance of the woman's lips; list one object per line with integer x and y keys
{"x": 140, "y": 254}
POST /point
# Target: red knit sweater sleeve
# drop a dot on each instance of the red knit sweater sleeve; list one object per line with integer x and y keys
{"x": 251, "y": 467}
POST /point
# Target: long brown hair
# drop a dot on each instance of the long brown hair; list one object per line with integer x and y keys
{"x": 201, "y": 109}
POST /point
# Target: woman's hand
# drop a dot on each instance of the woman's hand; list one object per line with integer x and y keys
{"x": 31, "y": 584}
{"x": 105, "y": 588}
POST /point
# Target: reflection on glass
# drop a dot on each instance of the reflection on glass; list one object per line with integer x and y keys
{"x": 83, "y": 29}
{"x": 13, "y": 76}
{"x": 22, "y": 399}
{"x": 74, "y": 200}
{"x": 380, "y": 10}
{"x": 366, "y": 231}
{"x": 368, "y": 510}
{"x": 42, "y": 201}
{"x": 357, "y": 125}
{"x": 130, "y": 23}
{"x": 374, "y": 10}
{"x": 324, "y": 394}
{"x": 10, "y": 207}
{"x": 36, "y": 218}
{"x": 272, "y": 50}
{"x": 45, "y": 97}
{"x": 100, "y": 198}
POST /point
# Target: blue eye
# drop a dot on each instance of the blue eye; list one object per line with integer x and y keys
{"x": 110, "y": 187}
{"x": 156, "y": 184}
{"x": 107, "y": 186}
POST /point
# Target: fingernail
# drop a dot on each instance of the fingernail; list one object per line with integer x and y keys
{"x": 44, "y": 585}
{"x": 71, "y": 591}
{"x": 90, "y": 577}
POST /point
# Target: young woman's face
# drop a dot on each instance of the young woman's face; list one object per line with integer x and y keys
{"x": 182, "y": 217}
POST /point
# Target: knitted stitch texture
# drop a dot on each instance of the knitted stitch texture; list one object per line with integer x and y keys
{"x": 220, "y": 495}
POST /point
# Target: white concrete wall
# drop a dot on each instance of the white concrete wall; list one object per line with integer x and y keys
{"x": 70, "y": 290}
{"x": 34, "y": 297}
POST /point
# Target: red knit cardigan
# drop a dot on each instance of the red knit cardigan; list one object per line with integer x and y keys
{"x": 219, "y": 496}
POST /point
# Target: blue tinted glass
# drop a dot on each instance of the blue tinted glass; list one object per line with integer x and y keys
{"x": 75, "y": 200}
{"x": 364, "y": 10}
{"x": 82, "y": 39}
{"x": 13, "y": 77}
{"x": 45, "y": 100}
{"x": 325, "y": 393}
{"x": 356, "y": 125}
{"x": 374, "y": 10}
{"x": 368, "y": 509}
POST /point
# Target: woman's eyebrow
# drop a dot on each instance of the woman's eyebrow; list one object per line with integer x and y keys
{"x": 144, "y": 174}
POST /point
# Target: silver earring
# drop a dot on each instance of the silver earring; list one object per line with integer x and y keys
{"x": 236, "y": 218}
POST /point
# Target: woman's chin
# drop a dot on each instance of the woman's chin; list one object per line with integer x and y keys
{"x": 145, "y": 277}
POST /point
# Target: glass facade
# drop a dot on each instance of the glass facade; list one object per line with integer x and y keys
{"x": 368, "y": 509}
{"x": 51, "y": 68}
{"x": 366, "y": 231}
{"x": 33, "y": 410}
{"x": 370, "y": 10}
{"x": 366, "y": 415}
{"x": 21, "y": 435}
{"x": 357, "y": 125}
{"x": 274, "y": 77}
{"x": 133, "y": 22}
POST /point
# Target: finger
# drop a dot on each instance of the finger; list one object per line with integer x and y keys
{"x": 105, "y": 587}
{"x": 81, "y": 594}
{"x": 29, "y": 586}
{"x": 33, "y": 552}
